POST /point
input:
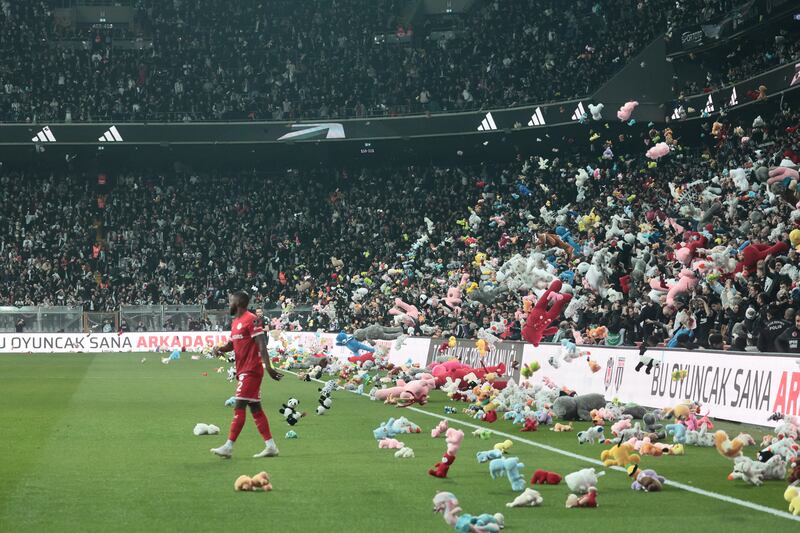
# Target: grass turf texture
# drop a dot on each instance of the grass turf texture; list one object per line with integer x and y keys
{"x": 105, "y": 443}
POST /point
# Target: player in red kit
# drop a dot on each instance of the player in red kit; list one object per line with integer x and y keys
{"x": 249, "y": 343}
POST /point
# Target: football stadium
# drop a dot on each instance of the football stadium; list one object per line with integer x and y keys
{"x": 399, "y": 265}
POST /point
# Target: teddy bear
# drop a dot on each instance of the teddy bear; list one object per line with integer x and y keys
{"x": 488, "y": 455}
{"x": 404, "y": 313}
{"x": 259, "y": 482}
{"x": 377, "y": 332}
{"x": 591, "y": 435}
{"x": 529, "y": 498}
{"x": 390, "y": 444}
{"x": 577, "y": 407}
{"x": 453, "y": 438}
{"x": 543, "y": 477}
{"x": 726, "y": 447}
{"x": 350, "y": 342}
{"x": 678, "y": 431}
{"x": 619, "y": 455}
{"x": 561, "y": 427}
{"x": 792, "y": 497}
{"x": 290, "y": 412}
{"x": 205, "y": 429}
{"x": 581, "y": 481}
{"x": 404, "y": 453}
{"x": 510, "y": 466}
{"x": 645, "y": 480}
{"x": 587, "y": 500}
{"x": 753, "y": 253}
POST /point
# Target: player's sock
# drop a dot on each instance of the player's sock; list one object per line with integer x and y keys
{"x": 237, "y": 424}
{"x": 270, "y": 442}
{"x": 263, "y": 425}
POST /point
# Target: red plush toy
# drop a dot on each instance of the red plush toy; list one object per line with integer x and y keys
{"x": 531, "y": 424}
{"x": 543, "y": 477}
{"x": 587, "y": 500}
{"x": 456, "y": 370}
{"x": 753, "y": 253}
{"x": 453, "y": 437}
{"x": 540, "y": 317}
{"x": 361, "y": 359}
{"x": 490, "y": 416}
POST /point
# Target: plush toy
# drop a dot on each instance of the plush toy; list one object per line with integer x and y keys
{"x": 405, "y": 394}
{"x": 753, "y": 253}
{"x": 619, "y": 455}
{"x": 453, "y": 437}
{"x": 529, "y": 498}
{"x": 488, "y": 455}
{"x": 561, "y": 427}
{"x": 447, "y": 504}
{"x": 658, "y": 151}
{"x": 404, "y": 313}
{"x": 377, "y": 332}
{"x": 482, "y": 433}
{"x": 509, "y": 466}
{"x": 543, "y": 477}
{"x": 726, "y": 447}
{"x": 290, "y": 412}
{"x": 504, "y": 446}
{"x": 205, "y": 429}
{"x": 325, "y": 400}
{"x": 580, "y": 481}
{"x": 624, "y": 112}
{"x": 259, "y": 482}
{"x": 456, "y": 370}
{"x": 291, "y": 434}
{"x": 591, "y": 435}
{"x": 587, "y": 500}
{"x": 394, "y": 427}
{"x": 596, "y": 111}
{"x": 390, "y": 444}
{"x": 678, "y": 432}
{"x": 577, "y": 407}
{"x": 350, "y": 342}
{"x": 404, "y": 453}
{"x": 645, "y": 480}
{"x": 540, "y": 317}
{"x": 792, "y": 497}
{"x": 439, "y": 429}
{"x": 531, "y": 424}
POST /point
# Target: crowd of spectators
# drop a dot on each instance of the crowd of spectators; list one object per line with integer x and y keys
{"x": 284, "y": 59}
{"x": 325, "y": 237}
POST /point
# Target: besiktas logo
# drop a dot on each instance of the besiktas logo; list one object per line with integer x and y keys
{"x": 609, "y": 372}
{"x": 619, "y": 372}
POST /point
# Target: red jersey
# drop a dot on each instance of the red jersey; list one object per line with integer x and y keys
{"x": 243, "y": 331}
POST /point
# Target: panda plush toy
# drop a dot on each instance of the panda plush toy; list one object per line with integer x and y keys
{"x": 325, "y": 400}
{"x": 290, "y": 412}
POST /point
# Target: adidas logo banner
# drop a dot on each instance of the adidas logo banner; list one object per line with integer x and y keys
{"x": 488, "y": 123}
{"x": 44, "y": 136}
{"x": 579, "y": 113}
{"x": 537, "y": 119}
{"x": 111, "y": 135}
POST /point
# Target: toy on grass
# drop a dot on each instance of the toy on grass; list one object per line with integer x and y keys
{"x": 291, "y": 434}
{"x": 577, "y": 407}
{"x": 726, "y": 447}
{"x": 404, "y": 453}
{"x": 325, "y": 400}
{"x": 755, "y": 472}
{"x": 587, "y": 500}
{"x": 792, "y": 497}
{"x": 537, "y": 325}
{"x": 581, "y": 481}
{"x": 591, "y": 435}
{"x": 390, "y": 444}
{"x": 205, "y": 429}
{"x": 510, "y": 466}
{"x": 439, "y": 429}
{"x": 645, "y": 480}
{"x": 484, "y": 434}
{"x": 543, "y": 477}
{"x": 394, "y": 427}
{"x": 619, "y": 455}
{"x": 504, "y": 446}
{"x": 561, "y": 427}
{"x": 678, "y": 432}
{"x": 290, "y": 412}
{"x": 260, "y": 482}
{"x": 702, "y": 438}
{"x": 488, "y": 455}
{"x": 447, "y": 504}
{"x": 450, "y": 410}
{"x": 453, "y": 437}
{"x": 529, "y": 498}
{"x": 531, "y": 424}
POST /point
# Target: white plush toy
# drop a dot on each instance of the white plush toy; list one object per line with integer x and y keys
{"x": 529, "y": 498}
{"x": 205, "y": 429}
{"x": 591, "y": 435}
{"x": 404, "y": 453}
{"x": 596, "y": 111}
{"x": 580, "y": 481}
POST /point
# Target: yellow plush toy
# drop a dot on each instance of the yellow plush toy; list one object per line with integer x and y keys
{"x": 619, "y": 455}
{"x": 792, "y": 496}
{"x": 504, "y": 446}
{"x": 259, "y": 482}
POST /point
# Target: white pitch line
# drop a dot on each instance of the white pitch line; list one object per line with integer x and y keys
{"x": 688, "y": 488}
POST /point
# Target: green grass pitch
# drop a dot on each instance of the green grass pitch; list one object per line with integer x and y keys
{"x": 104, "y": 443}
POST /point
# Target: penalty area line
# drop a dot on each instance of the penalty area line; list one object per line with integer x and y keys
{"x": 688, "y": 488}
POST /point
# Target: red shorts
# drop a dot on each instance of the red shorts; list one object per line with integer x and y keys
{"x": 249, "y": 387}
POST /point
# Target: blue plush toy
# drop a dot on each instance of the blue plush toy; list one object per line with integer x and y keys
{"x": 291, "y": 434}
{"x": 230, "y": 402}
{"x": 350, "y": 342}
{"x": 678, "y": 431}
{"x": 175, "y": 355}
{"x": 565, "y": 235}
{"x": 509, "y": 466}
{"x": 489, "y": 455}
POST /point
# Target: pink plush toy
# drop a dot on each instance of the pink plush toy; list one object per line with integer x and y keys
{"x": 405, "y": 394}
{"x": 453, "y": 437}
{"x": 620, "y": 426}
{"x": 453, "y": 299}
{"x": 693, "y": 241}
{"x": 405, "y": 313}
{"x": 390, "y": 444}
{"x": 456, "y": 370}
{"x": 686, "y": 282}
{"x": 782, "y": 173}
{"x": 658, "y": 151}
{"x": 439, "y": 429}
{"x": 624, "y": 113}
{"x": 540, "y": 317}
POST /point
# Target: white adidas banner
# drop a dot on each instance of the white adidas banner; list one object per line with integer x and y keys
{"x": 738, "y": 387}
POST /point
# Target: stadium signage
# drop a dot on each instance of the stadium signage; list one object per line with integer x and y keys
{"x": 106, "y": 342}
{"x": 740, "y": 387}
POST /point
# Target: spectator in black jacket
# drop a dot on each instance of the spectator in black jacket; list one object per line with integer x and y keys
{"x": 771, "y": 329}
{"x": 789, "y": 340}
